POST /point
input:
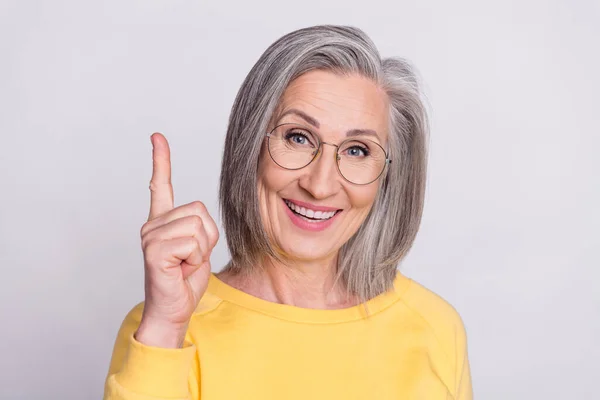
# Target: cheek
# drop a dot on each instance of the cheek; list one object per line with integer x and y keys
{"x": 362, "y": 198}
{"x": 271, "y": 180}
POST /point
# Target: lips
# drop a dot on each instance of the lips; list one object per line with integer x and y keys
{"x": 300, "y": 214}
{"x": 310, "y": 213}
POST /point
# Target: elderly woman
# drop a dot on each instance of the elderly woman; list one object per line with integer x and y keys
{"x": 322, "y": 187}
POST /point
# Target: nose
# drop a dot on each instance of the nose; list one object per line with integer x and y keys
{"x": 322, "y": 179}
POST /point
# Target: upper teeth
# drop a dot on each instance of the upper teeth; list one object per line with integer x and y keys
{"x": 310, "y": 213}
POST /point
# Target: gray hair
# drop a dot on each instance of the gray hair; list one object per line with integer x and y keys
{"x": 367, "y": 262}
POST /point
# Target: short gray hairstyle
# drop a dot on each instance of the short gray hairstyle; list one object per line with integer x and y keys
{"x": 367, "y": 263}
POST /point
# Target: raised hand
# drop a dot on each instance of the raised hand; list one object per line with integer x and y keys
{"x": 177, "y": 243}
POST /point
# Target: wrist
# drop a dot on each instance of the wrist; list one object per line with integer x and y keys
{"x": 160, "y": 334}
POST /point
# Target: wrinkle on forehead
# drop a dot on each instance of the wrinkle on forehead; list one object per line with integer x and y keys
{"x": 338, "y": 102}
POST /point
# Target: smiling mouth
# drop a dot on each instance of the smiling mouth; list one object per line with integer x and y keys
{"x": 310, "y": 215}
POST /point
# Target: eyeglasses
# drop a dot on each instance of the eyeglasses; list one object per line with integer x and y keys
{"x": 359, "y": 161}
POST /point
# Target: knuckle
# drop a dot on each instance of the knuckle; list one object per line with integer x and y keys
{"x": 144, "y": 230}
{"x": 190, "y": 243}
{"x": 199, "y": 207}
{"x": 153, "y": 186}
{"x": 159, "y": 186}
{"x": 196, "y": 222}
{"x": 196, "y": 244}
{"x": 214, "y": 238}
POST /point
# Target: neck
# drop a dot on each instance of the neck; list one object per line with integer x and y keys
{"x": 301, "y": 284}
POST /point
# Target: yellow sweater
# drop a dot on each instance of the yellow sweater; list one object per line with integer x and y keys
{"x": 412, "y": 346}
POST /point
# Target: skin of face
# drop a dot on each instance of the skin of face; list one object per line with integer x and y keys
{"x": 338, "y": 103}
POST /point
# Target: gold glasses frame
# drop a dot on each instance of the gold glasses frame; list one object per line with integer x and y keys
{"x": 318, "y": 151}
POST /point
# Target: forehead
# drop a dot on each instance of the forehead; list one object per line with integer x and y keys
{"x": 337, "y": 102}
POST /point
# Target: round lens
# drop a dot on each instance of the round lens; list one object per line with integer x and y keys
{"x": 292, "y": 146}
{"x": 361, "y": 161}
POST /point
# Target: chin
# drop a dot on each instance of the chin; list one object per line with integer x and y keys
{"x": 301, "y": 249}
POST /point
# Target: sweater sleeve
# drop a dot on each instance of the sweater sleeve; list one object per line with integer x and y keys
{"x": 140, "y": 372}
{"x": 464, "y": 388}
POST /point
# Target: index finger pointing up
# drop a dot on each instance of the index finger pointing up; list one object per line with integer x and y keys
{"x": 161, "y": 190}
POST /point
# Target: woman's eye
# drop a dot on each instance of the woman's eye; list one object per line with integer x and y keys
{"x": 357, "y": 151}
{"x": 298, "y": 138}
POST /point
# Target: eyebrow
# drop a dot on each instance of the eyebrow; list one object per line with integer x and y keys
{"x": 315, "y": 123}
{"x": 302, "y": 115}
{"x": 361, "y": 132}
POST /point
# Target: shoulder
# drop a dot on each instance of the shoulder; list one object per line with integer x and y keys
{"x": 430, "y": 305}
{"x": 446, "y": 329}
{"x": 438, "y": 315}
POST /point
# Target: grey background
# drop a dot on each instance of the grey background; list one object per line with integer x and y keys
{"x": 510, "y": 231}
